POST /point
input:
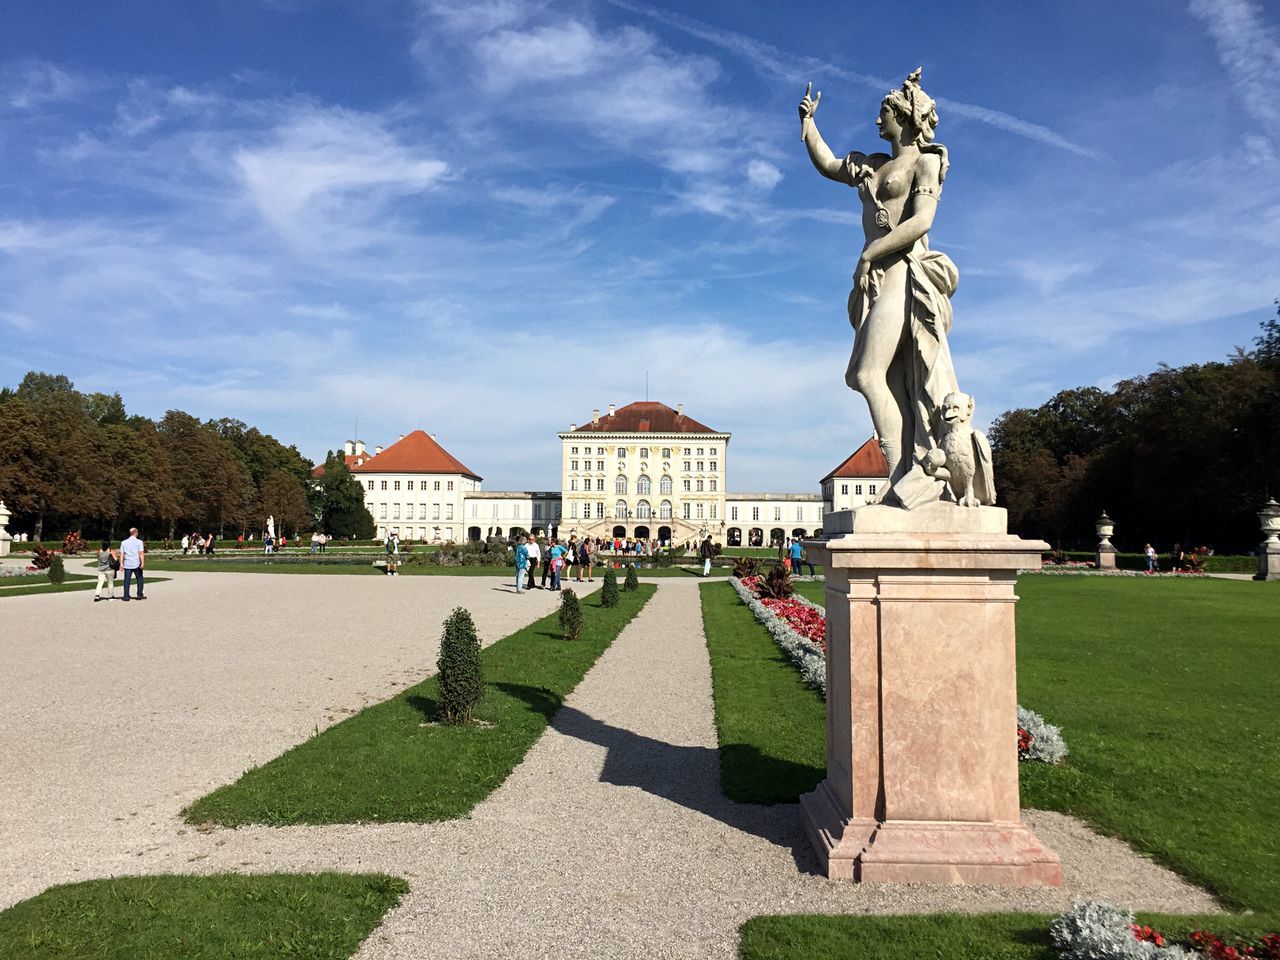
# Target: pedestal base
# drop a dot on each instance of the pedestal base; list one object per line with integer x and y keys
{"x": 1106, "y": 558}
{"x": 1268, "y": 561}
{"x": 922, "y": 761}
{"x": 925, "y": 851}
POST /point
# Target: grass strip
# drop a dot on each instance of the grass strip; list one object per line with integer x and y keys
{"x": 946, "y": 936}
{"x": 1166, "y": 693}
{"x": 392, "y": 763}
{"x": 367, "y": 569}
{"x": 771, "y": 726}
{"x": 322, "y": 916}
{"x": 79, "y": 583}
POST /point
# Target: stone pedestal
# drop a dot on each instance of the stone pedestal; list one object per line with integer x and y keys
{"x": 5, "y": 537}
{"x": 1106, "y": 557}
{"x": 1268, "y": 561}
{"x": 922, "y": 763}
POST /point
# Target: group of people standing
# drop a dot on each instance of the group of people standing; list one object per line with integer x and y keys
{"x": 131, "y": 557}
{"x": 199, "y": 542}
{"x": 555, "y": 558}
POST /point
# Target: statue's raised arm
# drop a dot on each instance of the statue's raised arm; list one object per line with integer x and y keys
{"x": 826, "y": 162}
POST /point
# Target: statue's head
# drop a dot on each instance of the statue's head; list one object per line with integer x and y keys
{"x": 911, "y": 110}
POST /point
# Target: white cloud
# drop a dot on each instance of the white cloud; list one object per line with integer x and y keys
{"x": 1250, "y": 50}
{"x": 326, "y": 169}
{"x": 34, "y": 83}
{"x": 763, "y": 174}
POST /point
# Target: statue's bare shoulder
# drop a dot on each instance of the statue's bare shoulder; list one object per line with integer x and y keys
{"x": 857, "y": 166}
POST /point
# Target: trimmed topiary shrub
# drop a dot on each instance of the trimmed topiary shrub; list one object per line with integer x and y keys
{"x": 570, "y": 614}
{"x": 57, "y": 572}
{"x": 461, "y": 678}
{"x": 632, "y": 582}
{"x": 609, "y": 592}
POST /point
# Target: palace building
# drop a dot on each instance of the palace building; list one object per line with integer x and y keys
{"x": 645, "y": 471}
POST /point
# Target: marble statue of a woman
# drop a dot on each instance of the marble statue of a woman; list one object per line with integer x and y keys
{"x": 900, "y": 305}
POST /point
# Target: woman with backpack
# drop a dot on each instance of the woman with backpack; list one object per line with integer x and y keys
{"x": 108, "y": 564}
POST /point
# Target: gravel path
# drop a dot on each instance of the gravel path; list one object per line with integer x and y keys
{"x": 611, "y": 840}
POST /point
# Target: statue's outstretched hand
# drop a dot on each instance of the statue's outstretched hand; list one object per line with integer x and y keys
{"x": 809, "y": 105}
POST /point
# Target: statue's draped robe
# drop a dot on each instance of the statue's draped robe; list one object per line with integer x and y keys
{"x": 924, "y": 359}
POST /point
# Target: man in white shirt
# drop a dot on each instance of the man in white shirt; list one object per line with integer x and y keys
{"x": 535, "y": 555}
{"x": 133, "y": 557}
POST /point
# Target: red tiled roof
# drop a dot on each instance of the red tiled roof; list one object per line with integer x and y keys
{"x": 645, "y": 416}
{"x": 353, "y": 461}
{"x": 416, "y": 453}
{"x": 866, "y": 461}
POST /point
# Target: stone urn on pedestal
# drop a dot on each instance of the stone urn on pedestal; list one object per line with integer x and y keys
{"x": 1106, "y": 555}
{"x": 5, "y": 537}
{"x": 1269, "y": 549}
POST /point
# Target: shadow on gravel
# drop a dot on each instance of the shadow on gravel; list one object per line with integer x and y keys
{"x": 688, "y": 776}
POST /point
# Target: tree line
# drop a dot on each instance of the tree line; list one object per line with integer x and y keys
{"x": 77, "y": 461}
{"x": 1182, "y": 455}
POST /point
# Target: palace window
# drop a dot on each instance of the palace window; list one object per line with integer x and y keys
{"x": 666, "y": 453}
{"x": 620, "y": 485}
{"x": 574, "y": 450}
{"x": 395, "y": 484}
{"x": 799, "y": 513}
{"x": 755, "y": 513}
{"x": 448, "y": 511}
{"x": 408, "y": 511}
{"x": 644, "y": 453}
{"x": 687, "y": 451}
{"x": 687, "y": 486}
{"x": 384, "y": 484}
{"x": 713, "y": 511}
{"x": 777, "y": 514}
{"x": 857, "y": 488}
{"x": 700, "y": 510}
{"x": 382, "y": 511}
{"x": 699, "y": 451}
{"x": 643, "y": 510}
{"x": 573, "y": 509}
{"x": 733, "y": 513}
{"x": 435, "y": 485}
{"x": 642, "y": 486}
{"x": 713, "y": 485}
{"x": 871, "y": 489}
{"x": 699, "y": 486}
{"x": 712, "y": 451}
{"x": 664, "y": 485}
{"x": 370, "y": 484}
{"x": 622, "y": 453}
{"x": 620, "y": 510}
{"x": 686, "y": 510}
{"x": 702, "y": 465}
{"x": 573, "y": 483}
{"x": 450, "y": 484}
{"x": 573, "y": 464}
{"x": 473, "y": 510}
{"x": 599, "y": 509}
{"x": 688, "y": 464}
{"x": 715, "y": 464}
{"x": 600, "y": 453}
{"x": 599, "y": 484}
{"x": 395, "y": 511}
{"x": 664, "y": 510}
{"x": 599, "y": 464}
{"x": 435, "y": 511}
{"x": 408, "y": 485}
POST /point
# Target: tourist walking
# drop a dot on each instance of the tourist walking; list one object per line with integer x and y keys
{"x": 522, "y": 565}
{"x": 572, "y": 558}
{"x": 1177, "y": 557}
{"x": 1150, "y": 552}
{"x": 796, "y": 552}
{"x": 208, "y": 545}
{"x": 705, "y": 552}
{"x": 557, "y": 555}
{"x": 108, "y": 564}
{"x": 133, "y": 558}
{"x": 588, "y": 556}
{"x": 186, "y": 544}
{"x": 535, "y": 556}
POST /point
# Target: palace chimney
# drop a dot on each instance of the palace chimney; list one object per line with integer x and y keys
{"x": 358, "y": 446}
{"x": 611, "y": 409}
{"x": 595, "y": 416}
{"x": 349, "y": 448}
{"x": 679, "y": 409}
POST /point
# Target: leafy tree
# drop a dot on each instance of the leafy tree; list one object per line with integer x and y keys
{"x": 337, "y": 501}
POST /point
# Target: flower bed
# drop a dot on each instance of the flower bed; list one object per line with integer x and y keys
{"x": 799, "y": 628}
{"x": 1094, "y": 930}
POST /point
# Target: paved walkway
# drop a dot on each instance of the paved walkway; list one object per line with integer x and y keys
{"x": 612, "y": 839}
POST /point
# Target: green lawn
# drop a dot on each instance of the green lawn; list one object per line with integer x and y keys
{"x": 392, "y": 763}
{"x": 771, "y": 726}
{"x": 1166, "y": 693}
{"x": 322, "y": 916}
{"x": 946, "y": 936}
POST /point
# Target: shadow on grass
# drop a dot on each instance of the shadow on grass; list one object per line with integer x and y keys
{"x": 685, "y": 775}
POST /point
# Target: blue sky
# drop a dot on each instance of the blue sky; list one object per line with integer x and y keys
{"x": 488, "y": 218}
